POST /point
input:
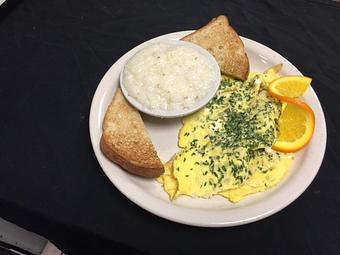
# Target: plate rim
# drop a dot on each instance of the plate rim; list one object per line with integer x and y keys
{"x": 186, "y": 219}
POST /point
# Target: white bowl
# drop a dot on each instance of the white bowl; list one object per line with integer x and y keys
{"x": 182, "y": 112}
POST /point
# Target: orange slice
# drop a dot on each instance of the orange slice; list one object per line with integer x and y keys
{"x": 296, "y": 126}
{"x": 289, "y": 86}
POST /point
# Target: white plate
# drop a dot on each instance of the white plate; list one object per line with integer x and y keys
{"x": 217, "y": 211}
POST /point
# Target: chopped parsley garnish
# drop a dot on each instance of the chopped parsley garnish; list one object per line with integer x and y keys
{"x": 241, "y": 122}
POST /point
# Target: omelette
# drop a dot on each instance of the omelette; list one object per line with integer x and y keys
{"x": 226, "y": 146}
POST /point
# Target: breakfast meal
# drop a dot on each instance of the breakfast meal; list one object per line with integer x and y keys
{"x": 168, "y": 77}
{"x": 240, "y": 143}
{"x": 125, "y": 140}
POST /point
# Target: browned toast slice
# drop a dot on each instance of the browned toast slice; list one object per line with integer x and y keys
{"x": 125, "y": 140}
{"x": 222, "y": 41}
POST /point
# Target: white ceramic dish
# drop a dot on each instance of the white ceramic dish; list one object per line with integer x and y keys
{"x": 186, "y": 111}
{"x": 217, "y": 211}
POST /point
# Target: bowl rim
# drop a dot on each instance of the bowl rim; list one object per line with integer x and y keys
{"x": 182, "y": 112}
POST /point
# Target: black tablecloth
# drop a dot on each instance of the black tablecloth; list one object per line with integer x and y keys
{"x": 52, "y": 57}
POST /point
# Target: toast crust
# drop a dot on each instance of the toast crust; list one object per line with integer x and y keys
{"x": 222, "y": 41}
{"x": 125, "y": 140}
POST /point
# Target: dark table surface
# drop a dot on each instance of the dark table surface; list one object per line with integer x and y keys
{"x": 52, "y": 57}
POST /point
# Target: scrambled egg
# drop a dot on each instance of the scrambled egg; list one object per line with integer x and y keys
{"x": 226, "y": 146}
